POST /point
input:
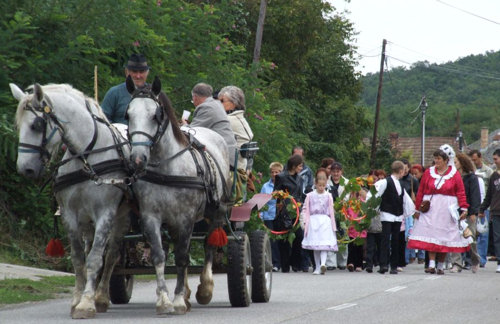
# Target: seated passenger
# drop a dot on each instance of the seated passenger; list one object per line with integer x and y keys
{"x": 233, "y": 100}
{"x": 209, "y": 113}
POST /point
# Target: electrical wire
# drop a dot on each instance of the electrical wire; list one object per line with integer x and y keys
{"x": 468, "y": 12}
{"x": 474, "y": 73}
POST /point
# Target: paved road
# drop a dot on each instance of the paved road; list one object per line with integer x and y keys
{"x": 11, "y": 271}
{"x": 338, "y": 297}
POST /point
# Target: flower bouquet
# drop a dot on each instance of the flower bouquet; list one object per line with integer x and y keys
{"x": 353, "y": 212}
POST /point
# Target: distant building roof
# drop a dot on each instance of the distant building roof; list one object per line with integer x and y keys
{"x": 492, "y": 145}
{"x": 414, "y": 145}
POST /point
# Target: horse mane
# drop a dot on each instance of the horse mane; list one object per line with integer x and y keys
{"x": 60, "y": 88}
{"x": 169, "y": 110}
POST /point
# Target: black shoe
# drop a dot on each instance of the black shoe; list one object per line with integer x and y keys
{"x": 369, "y": 269}
{"x": 466, "y": 267}
{"x": 295, "y": 269}
{"x": 276, "y": 269}
{"x": 383, "y": 270}
{"x": 394, "y": 271}
{"x": 331, "y": 268}
{"x": 341, "y": 268}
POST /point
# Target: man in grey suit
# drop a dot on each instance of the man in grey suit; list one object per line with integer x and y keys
{"x": 210, "y": 113}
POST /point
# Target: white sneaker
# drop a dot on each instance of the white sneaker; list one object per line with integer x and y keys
{"x": 316, "y": 272}
{"x": 498, "y": 268}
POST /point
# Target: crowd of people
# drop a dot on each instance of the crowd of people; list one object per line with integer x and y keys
{"x": 437, "y": 215}
{"x": 427, "y": 215}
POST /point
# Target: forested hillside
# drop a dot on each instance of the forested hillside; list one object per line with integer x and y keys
{"x": 303, "y": 91}
{"x": 468, "y": 88}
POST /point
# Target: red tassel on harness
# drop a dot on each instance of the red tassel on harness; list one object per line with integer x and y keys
{"x": 54, "y": 248}
{"x": 217, "y": 238}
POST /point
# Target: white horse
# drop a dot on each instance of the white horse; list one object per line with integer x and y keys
{"x": 178, "y": 180}
{"x": 91, "y": 211}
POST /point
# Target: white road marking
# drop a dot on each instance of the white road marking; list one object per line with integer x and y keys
{"x": 343, "y": 306}
{"x": 432, "y": 277}
{"x": 397, "y": 288}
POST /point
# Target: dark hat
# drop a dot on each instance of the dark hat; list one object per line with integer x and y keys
{"x": 137, "y": 62}
{"x": 336, "y": 165}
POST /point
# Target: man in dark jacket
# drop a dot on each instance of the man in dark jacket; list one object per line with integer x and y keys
{"x": 492, "y": 200}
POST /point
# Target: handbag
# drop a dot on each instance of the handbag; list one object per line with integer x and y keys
{"x": 283, "y": 221}
{"x": 482, "y": 225}
{"x": 425, "y": 205}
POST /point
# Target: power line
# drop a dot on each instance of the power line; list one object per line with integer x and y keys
{"x": 481, "y": 74}
{"x": 468, "y": 12}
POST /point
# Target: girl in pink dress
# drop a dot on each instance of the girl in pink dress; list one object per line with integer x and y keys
{"x": 319, "y": 222}
{"x": 436, "y": 230}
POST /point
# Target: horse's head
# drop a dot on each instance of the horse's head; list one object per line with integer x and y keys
{"x": 147, "y": 122}
{"x": 38, "y": 133}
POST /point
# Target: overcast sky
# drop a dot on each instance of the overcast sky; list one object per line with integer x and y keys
{"x": 422, "y": 30}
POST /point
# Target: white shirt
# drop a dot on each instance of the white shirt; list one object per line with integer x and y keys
{"x": 408, "y": 206}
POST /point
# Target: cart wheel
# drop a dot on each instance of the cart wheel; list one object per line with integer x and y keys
{"x": 239, "y": 270}
{"x": 262, "y": 275}
{"x": 120, "y": 288}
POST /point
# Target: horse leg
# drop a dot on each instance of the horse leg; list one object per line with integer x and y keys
{"x": 152, "y": 230}
{"x": 102, "y": 300}
{"x": 181, "y": 251}
{"x": 78, "y": 261}
{"x": 187, "y": 295}
{"x": 206, "y": 286}
{"x": 86, "y": 308}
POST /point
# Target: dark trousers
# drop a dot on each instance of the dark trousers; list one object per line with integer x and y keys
{"x": 275, "y": 250}
{"x": 390, "y": 244}
{"x": 293, "y": 255}
{"x": 355, "y": 255}
{"x": 402, "y": 249}
{"x": 373, "y": 241}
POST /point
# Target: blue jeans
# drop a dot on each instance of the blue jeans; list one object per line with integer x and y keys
{"x": 482, "y": 242}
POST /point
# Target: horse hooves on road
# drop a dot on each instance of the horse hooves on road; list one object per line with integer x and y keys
{"x": 83, "y": 313}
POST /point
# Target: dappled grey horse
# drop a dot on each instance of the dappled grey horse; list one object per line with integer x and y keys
{"x": 179, "y": 182}
{"x": 91, "y": 210}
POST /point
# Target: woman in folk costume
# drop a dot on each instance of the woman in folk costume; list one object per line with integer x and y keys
{"x": 436, "y": 230}
{"x": 319, "y": 222}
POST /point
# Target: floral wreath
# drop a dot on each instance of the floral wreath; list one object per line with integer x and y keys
{"x": 353, "y": 213}
{"x": 289, "y": 234}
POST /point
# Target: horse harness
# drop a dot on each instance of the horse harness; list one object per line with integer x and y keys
{"x": 206, "y": 169}
{"x": 89, "y": 172}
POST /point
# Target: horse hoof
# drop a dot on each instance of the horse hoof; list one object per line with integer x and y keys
{"x": 83, "y": 313}
{"x": 180, "y": 310}
{"x": 161, "y": 310}
{"x": 101, "y": 307}
{"x": 203, "y": 299}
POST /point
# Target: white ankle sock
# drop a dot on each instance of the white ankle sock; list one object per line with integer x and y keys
{"x": 440, "y": 265}
{"x": 432, "y": 263}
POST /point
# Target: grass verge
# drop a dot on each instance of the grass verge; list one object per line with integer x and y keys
{"x": 14, "y": 291}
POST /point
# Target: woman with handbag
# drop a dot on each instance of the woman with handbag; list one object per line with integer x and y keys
{"x": 290, "y": 181}
{"x": 435, "y": 229}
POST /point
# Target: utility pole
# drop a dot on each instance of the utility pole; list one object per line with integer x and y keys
{"x": 260, "y": 30}
{"x": 377, "y": 108}
{"x": 423, "y": 108}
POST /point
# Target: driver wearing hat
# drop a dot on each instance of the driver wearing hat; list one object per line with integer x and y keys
{"x": 117, "y": 98}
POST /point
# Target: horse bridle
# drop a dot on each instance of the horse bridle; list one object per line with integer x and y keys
{"x": 40, "y": 125}
{"x": 160, "y": 118}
